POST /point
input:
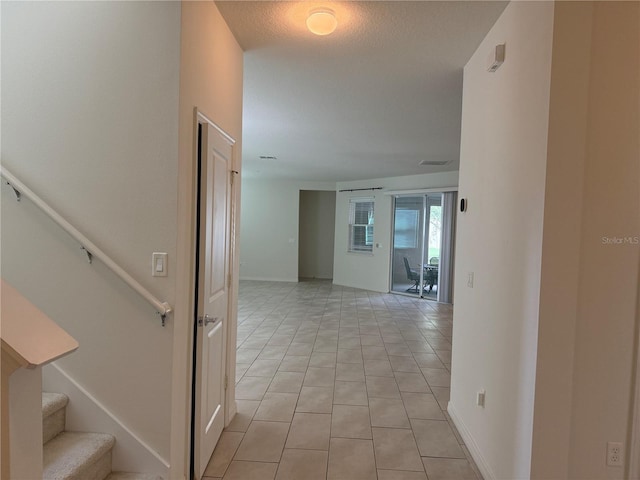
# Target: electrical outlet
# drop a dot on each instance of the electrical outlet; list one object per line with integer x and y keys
{"x": 470, "y": 279}
{"x": 480, "y": 398}
{"x": 614, "y": 454}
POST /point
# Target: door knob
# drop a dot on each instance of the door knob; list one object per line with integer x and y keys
{"x": 205, "y": 320}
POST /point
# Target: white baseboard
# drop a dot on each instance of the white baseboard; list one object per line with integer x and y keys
{"x": 471, "y": 444}
{"x": 86, "y": 413}
{"x": 270, "y": 279}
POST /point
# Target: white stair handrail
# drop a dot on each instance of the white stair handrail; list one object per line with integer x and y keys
{"x": 163, "y": 308}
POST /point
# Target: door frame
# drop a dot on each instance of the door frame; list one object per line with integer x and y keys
{"x": 181, "y": 445}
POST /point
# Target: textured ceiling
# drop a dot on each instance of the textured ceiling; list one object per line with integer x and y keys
{"x": 372, "y": 100}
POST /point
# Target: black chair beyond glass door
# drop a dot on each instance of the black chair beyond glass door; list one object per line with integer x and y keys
{"x": 431, "y": 273}
{"x": 413, "y": 276}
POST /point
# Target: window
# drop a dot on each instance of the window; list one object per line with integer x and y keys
{"x": 406, "y": 229}
{"x": 435, "y": 231}
{"x": 361, "y": 225}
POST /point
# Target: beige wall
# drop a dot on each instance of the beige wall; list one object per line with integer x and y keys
{"x": 502, "y": 175}
{"x": 269, "y": 228}
{"x": 605, "y": 328}
{"x": 561, "y": 239}
{"x": 586, "y": 187}
{"x": 89, "y": 122}
{"x": 269, "y": 248}
{"x": 589, "y": 287}
{"x": 211, "y": 81}
{"x": 107, "y": 139}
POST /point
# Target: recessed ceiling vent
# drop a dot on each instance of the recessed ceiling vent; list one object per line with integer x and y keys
{"x": 268, "y": 157}
{"x": 433, "y": 162}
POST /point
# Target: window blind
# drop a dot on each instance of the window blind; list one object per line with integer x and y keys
{"x": 361, "y": 225}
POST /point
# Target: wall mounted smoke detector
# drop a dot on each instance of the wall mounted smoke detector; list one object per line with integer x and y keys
{"x": 496, "y": 58}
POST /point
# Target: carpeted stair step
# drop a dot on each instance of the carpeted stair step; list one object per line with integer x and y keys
{"x": 78, "y": 456}
{"x": 133, "y": 476}
{"x": 53, "y": 414}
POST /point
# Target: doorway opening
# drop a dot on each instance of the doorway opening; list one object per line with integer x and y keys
{"x": 316, "y": 234}
{"x": 423, "y": 239}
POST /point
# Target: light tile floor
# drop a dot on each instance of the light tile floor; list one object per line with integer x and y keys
{"x": 336, "y": 383}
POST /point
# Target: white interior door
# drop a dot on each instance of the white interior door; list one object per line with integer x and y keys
{"x": 213, "y": 295}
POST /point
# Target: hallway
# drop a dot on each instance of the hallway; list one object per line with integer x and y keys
{"x": 339, "y": 383}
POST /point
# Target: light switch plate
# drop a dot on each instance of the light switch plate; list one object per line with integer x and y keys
{"x": 159, "y": 264}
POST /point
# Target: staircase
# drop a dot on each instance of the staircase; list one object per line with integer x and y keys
{"x": 76, "y": 455}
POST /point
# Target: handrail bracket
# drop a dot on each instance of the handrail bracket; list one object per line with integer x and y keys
{"x": 16, "y": 192}
{"x": 89, "y": 255}
{"x": 166, "y": 310}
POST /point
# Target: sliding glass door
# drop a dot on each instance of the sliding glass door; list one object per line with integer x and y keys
{"x": 422, "y": 253}
{"x": 407, "y": 274}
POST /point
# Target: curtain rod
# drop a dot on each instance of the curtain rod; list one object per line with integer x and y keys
{"x": 360, "y": 189}
{"x": 419, "y": 191}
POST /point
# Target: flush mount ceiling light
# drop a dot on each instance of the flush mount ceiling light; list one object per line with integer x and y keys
{"x": 322, "y": 21}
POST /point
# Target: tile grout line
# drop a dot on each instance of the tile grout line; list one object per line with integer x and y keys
{"x": 328, "y": 313}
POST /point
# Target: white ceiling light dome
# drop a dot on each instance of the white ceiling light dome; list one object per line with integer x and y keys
{"x": 322, "y": 21}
